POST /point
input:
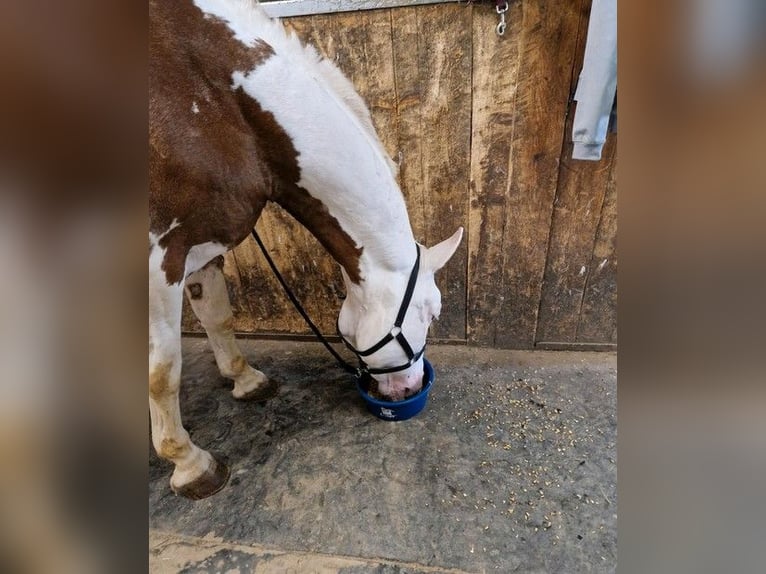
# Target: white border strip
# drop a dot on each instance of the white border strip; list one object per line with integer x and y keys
{"x": 287, "y": 8}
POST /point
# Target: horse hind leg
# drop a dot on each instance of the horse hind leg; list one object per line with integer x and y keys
{"x": 207, "y": 294}
{"x": 196, "y": 474}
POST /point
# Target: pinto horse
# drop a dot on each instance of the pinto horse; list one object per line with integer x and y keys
{"x": 242, "y": 113}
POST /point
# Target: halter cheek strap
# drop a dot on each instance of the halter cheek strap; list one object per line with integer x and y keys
{"x": 394, "y": 334}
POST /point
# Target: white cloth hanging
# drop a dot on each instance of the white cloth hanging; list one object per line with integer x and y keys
{"x": 597, "y": 85}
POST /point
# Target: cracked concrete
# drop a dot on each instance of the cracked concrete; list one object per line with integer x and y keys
{"x": 511, "y": 467}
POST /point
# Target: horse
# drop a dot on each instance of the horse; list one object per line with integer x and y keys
{"x": 242, "y": 113}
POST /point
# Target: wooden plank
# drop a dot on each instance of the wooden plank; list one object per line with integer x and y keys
{"x": 189, "y": 322}
{"x": 409, "y": 92}
{"x": 285, "y": 8}
{"x": 577, "y": 211}
{"x": 515, "y": 181}
{"x": 579, "y": 199}
{"x": 432, "y": 71}
{"x": 598, "y": 318}
{"x": 550, "y": 36}
{"x": 495, "y": 78}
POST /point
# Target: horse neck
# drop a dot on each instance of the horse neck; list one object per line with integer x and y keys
{"x": 347, "y": 195}
{"x": 366, "y": 233}
{"x": 343, "y": 188}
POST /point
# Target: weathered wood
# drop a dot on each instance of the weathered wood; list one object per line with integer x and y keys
{"x": 508, "y": 259}
{"x": 285, "y": 8}
{"x": 598, "y": 318}
{"x": 495, "y": 77}
{"x": 432, "y": 71}
{"x": 580, "y": 194}
{"x": 579, "y": 199}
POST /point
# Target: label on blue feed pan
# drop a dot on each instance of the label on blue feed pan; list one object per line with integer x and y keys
{"x": 387, "y": 413}
{"x": 397, "y": 414}
{"x": 402, "y": 410}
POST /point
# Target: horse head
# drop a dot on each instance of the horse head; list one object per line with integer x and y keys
{"x": 384, "y": 319}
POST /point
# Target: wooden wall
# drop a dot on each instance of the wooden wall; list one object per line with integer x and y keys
{"x": 480, "y": 128}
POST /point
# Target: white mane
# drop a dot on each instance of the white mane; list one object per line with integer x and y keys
{"x": 249, "y": 23}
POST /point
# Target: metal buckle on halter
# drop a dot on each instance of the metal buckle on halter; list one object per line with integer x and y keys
{"x": 395, "y": 334}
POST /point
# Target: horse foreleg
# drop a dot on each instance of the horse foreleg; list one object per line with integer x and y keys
{"x": 206, "y": 290}
{"x": 197, "y": 474}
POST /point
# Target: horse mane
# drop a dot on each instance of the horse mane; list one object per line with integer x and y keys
{"x": 343, "y": 87}
{"x": 249, "y": 22}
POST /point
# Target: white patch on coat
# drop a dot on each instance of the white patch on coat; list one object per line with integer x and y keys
{"x": 196, "y": 259}
{"x": 200, "y": 255}
{"x": 601, "y": 265}
{"x": 165, "y": 303}
{"x": 195, "y": 108}
{"x": 250, "y": 23}
{"x": 342, "y": 163}
{"x": 164, "y": 306}
{"x": 328, "y": 123}
{"x": 582, "y": 270}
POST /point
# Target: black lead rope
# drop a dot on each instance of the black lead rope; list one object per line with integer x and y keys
{"x": 341, "y": 361}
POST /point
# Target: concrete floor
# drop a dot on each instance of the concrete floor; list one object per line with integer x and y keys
{"x": 511, "y": 467}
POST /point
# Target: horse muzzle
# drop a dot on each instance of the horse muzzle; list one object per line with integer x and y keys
{"x": 399, "y": 386}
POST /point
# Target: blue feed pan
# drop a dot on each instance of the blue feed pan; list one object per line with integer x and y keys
{"x": 400, "y": 410}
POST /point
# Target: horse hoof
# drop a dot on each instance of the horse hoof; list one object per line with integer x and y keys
{"x": 266, "y": 390}
{"x": 207, "y": 484}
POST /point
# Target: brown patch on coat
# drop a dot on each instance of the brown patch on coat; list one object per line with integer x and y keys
{"x": 195, "y": 290}
{"x": 237, "y": 367}
{"x": 282, "y": 156}
{"x": 172, "y": 449}
{"x": 313, "y": 215}
{"x": 159, "y": 380}
{"x": 228, "y": 324}
{"x": 174, "y": 262}
{"x": 214, "y": 170}
{"x": 272, "y": 140}
{"x": 205, "y": 169}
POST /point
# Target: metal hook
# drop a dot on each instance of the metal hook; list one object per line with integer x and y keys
{"x": 501, "y": 10}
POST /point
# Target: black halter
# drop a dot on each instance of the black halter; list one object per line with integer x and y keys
{"x": 394, "y": 334}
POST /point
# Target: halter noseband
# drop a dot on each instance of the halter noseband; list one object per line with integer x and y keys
{"x": 394, "y": 334}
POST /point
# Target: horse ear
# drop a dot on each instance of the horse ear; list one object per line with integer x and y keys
{"x": 438, "y": 255}
{"x": 346, "y": 279}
